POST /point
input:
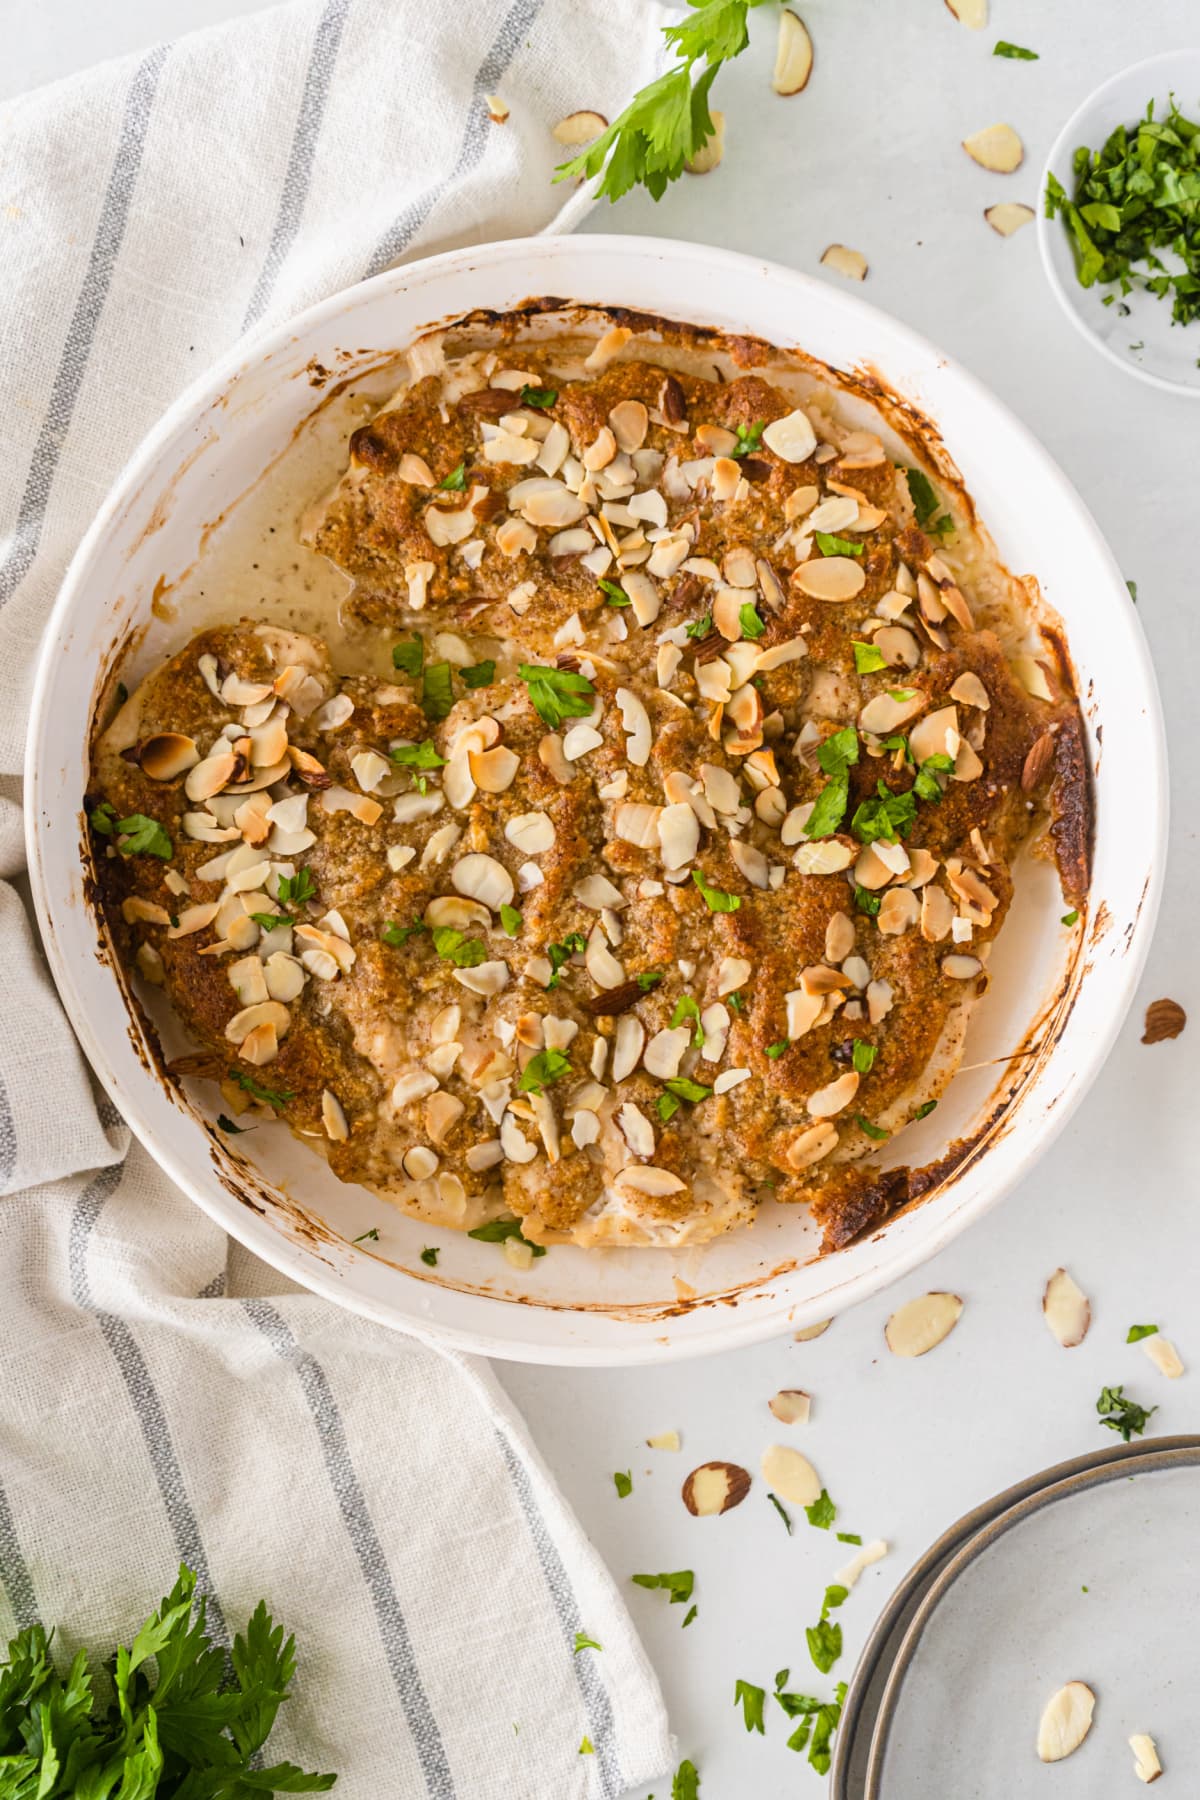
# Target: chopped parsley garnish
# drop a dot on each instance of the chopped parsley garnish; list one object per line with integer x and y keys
{"x": 923, "y": 1111}
{"x": 456, "y": 480}
{"x": 257, "y": 1091}
{"x": 781, "y": 1510}
{"x": 926, "y": 785}
{"x": 410, "y": 655}
{"x": 1071, "y": 918}
{"x": 1122, "y": 1415}
{"x": 839, "y": 751}
{"x": 418, "y": 756}
{"x": 429, "y": 1256}
{"x": 700, "y": 627}
{"x": 367, "y": 1237}
{"x": 831, "y": 545}
{"x": 584, "y": 1642}
{"x": 480, "y": 674}
{"x": 511, "y": 919}
{"x": 453, "y": 947}
{"x": 1017, "y": 52}
{"x": 437, "y": 691}
{"x": 752, "y": 625}
{"x": 396, "y": 936}
{"x": 925, "y": 504}
{"x": 557, "y": 694}
{"x": 547, "y": 1067}
{"x": 649, "y": 978}
{"x": 678, "y": 1583}
{"x": 268, "y": 921}
{"x": 775, "y": 1051}
{"x": 822, "y": 1513}
{"x": 574, "y": 944}
{"x": 297, "y": 889}
{"x": 848, "y": 1537}
{"x": 688, "y": 1616}
{"x": 623, "y": 1482}
{"x": 614, "y": 593}
{"x": 867, "y": 659}
{"x": 538, "y": 397}
{"x": 863, "y": 1056}
{"x": 872, "y": 1131}
{"x": 498, "y": 1231}
{"x": 686, "y": 1007}
{"x": 890, "y": 817}
{"x": 751, "y": 1699}
{"x": 1135, "y": 196}
{"x": 135, "y": 836}
{"x": 685, "y": 1783}
{"x": 683, "y": 1088}
{"x": 866, "y": 901}
{"x": 667, "y": 1106}
{"x": 225, "y": 1123}
{"x": 836, "y": 756}
{"x": 735, "y": 1000}
{"x": 1138, "y": 1332}
{"x": 1132, "y": 586}
{"x": 715, "y": 898}
{"x": 824, "y": 1644}
{"x": 586, "y": 1746}
{"x": 749, "y": 438}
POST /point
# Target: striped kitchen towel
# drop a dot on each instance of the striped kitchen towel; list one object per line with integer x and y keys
{"x": 161, "y": 1397}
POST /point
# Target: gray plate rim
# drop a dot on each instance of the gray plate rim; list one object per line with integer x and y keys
{"x": 1164, "y": 1453}
{"x": 938, "y": 1555}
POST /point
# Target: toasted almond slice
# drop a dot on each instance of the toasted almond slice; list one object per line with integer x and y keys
{"x": 844, "y": 261}
{"x": 961, "y": 968}
{"x": 1007, "y": 216}
{"x": 790, "y": 1475}
{"x": 812, "y": 1331}
{"x": 167, "y": 754}
{"x": 482, "y": 878}
{"x": 811, "y": 1145}
{"x": 333, "y": 1117}
{"x": 920, "y": 1325}
{"x": 579, "y": 127}
{"x": 1146, "y": 1765}
{"x": 1065, "y": 1721}
{"x": 712, "y": 150}
{"x": 1066, "y": 1309}
{"x": 791, "y": 1406}
{"x": 972, "y": 13}
{"x": 835, "y": 1096}
{"x": 497, "y": 109}
{"x": 663, "y": 1440}
{"x": 265, "y": 1012}
{"x": 1164, "y": 1356}
{"x": 830, "y": 578}
{"x": 1164, "y": 1019}
{"x": 996, "y": 148}
{"x": 793, "y": 55}
{"x": 715, "y": 1487}
{"x": 792, "y": 438}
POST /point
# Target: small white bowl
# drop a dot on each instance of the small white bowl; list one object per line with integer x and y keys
{"x": 1142, "y": 341}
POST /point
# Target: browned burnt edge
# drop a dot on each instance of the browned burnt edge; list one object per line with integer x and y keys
{"x": 898, "y": 1191}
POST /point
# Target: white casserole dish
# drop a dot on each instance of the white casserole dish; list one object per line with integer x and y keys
{"x": 1057, "y": 996}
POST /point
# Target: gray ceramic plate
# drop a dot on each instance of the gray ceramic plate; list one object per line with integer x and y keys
{"x": 1094, "y": 1577}
{"x": 860, "y": 1713}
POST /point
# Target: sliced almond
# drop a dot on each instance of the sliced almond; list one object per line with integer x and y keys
{"x": 333, "y": 1117}
{"x": 1164, "y": 1356}
{"x": 1146, "y": 1765}
{"x": 972, "y": 13}
{"x": 579, "y": 127}
{"x": 844, "y": 261}
{"x": 790, "y": 1475}
{"x": 920, "y": 1325}
{"x": 482, "y": 878}
{"x": 715, "y": 1487}
{"x": 1065, "y": 1721}
{"x": 792, "y": 438}
{"x": 810, "y": 1146}
{"x": 830, "y": 578}
{"x": 812, "y": 1331}
{"x": 1066, "y": 1309}
{"x": 793, "y": 55}
{"x": 1008, "y": 216}
{"x": 996, "y": 148}
{"x": 832, "y": 1099}
{"x": 712, "y": 150}
{"x": 167, "y": 754}
{"x": 791, "y": 1406}
{"x": 1164, "y": 1019}
{"x": 663, "y": 1440}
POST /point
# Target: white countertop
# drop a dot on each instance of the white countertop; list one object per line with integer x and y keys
{"x": 869, "y": 156}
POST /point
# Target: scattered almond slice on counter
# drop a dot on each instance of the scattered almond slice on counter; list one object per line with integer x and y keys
{"x": 996, "y": 148}
{"x": 811, "y": 1331}
{"x": 870, "y": 1553}
{"x": 790, "y": 1475}
{"x": 920, "y": 1325}
{"x": 791, "y": 1406}
{"x": 1146, "y": 1765}
{"x": 1008, "y": 216}
{"x": 497, "y": 110}
{"x": 715, "y": 1487}
{"x": 793, "y": 55}
{"x": 663, "y": 1440}
{"x": 1163, "y": 1355}
{"x": 844, "y": 261}
{"x": 710, "y": 153}
{"x": 579, "y": 127}
{"x": 1164, "y": 1019}
{"x": 972, "y": 13}
{"x": 1066, "y": 1309}
{"x": 1065, "y": 1722}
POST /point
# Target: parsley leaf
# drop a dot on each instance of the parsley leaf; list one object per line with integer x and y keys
{"x": 542, "y": 1070}
{"x": 925, "y": 504}
{"x": 830, "y": 545}
{"x": 614, "y": 593}
{"x": 830, "y": 808}
{"x": 538, "y": 397}
{"x": 225, "y": 1123}
{"x": 751, "y": 1700}
{"x": 679, "y": 1583}
{"x": 775, "y": 1051}
{"x": 867, "y": 659}
{"x": 367, "y": 1237}
{"x": 480, "y": 674}
{"x": 866, "y": 901}
{"x": 700, "y": 628}
{"x": 863, "y": 1056}
{"x": 839, "y": 751}
{"x": 511, "y": 919}
{"x": 682, "y": 1088}
{"x": 890, "y": 817}
{"x": 623, "y": 1482}
{"x": 429, "y": 1256}
{"x": 848, "y": 1537}
{"x": 824, "y": 1644}
{"x": 410, "y": 655}
{"x": 437, "y": 691}
{"x": 714, "y": 898}
{"x": 135, "y": 836}
{"x": 685, "y": 1783}
{"x": 1122, "y": 1415}
{"x": 822, "y": 1513}
{"x": 584, "y": 1642}
{"x": 557, "y": 694}
{"x": 923, "y": 1111}
{"x": 686, "y": 1007}
{"x": 396, "y": 936}
{"x": 1138, "y": 1332}
{"x": 649, "y": 978}
{"x": 259, "y": 1091}
{"x": 876, "y": 1132}
{"x": 456, "y": 480}
{"x": 752, "y": 625}
{"x": 586, "y": 1746}
{"x": 1015, "y": 51}
{"x": 749, "y": 438}
{"x": 453, "y": 947}
{"x": 498, "y": 1231}
{"x": 784, "y": 1515}
{"x": 417, "y": 756}
{"x": 1071, "y": 918}
{"x": 574, "y": 944}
